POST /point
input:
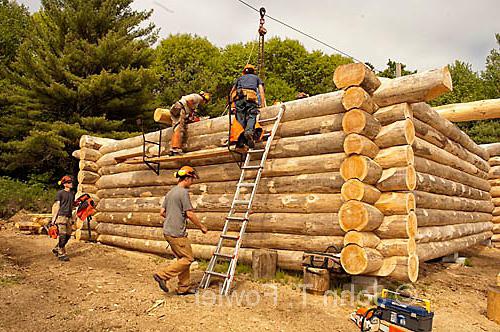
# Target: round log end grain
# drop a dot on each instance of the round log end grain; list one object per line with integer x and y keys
{"x": 357, "y": 260}
{"x": 357, "y": 190}
{"x": 413, "y": 267}
{"x": 359, "y": 144}
{"x": 359, "y": 216}
{"x": 361, "y": 168}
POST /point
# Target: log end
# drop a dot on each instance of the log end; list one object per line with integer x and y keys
{"x": 445, "y": 86}
{"x": 357, "y": 260}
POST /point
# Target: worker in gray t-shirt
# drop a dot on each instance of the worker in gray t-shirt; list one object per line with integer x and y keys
{"x": 176, "y": 209}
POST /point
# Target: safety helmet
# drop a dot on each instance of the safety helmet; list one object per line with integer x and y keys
{"x": 65, "y": 179}
{"x": 248, "y": 66}
{"x": 205, "y": 96}
{"x": 186, "y": 171}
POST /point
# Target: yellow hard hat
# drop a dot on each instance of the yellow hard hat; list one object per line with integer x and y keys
{"x": 248, "y": 66}
{"x": 186, "y": 171}
{"x": 207, "y": 96}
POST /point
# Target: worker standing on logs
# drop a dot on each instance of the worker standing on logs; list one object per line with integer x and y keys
{"x": 182, "y": 113}
{"x": 62, "y": 211}
{"x": 247, "y": 95}
{"x": 176, "y": 209}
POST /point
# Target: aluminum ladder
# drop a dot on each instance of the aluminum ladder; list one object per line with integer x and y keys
{"x": 240, "y": 211}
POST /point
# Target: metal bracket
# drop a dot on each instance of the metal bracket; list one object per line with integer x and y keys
{"x": 152, "y": 165}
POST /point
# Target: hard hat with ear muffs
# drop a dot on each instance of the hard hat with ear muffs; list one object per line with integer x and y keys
{"x": 186, "y": 171}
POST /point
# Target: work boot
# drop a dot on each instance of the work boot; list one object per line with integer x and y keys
{"x": 162, "y": 283}
{"x": 55, "y": 251}
{"x": 63, "y": 258}
{"x": 250, "y": 141}
{"x": 175, "y": 152}
{"x": 190, "y": 291}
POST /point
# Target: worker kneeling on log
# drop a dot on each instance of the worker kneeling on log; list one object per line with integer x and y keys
{"x": 176, "y": 209}
{"x": 247, "y": 95}
{"x": 62, "y": 211}
{"x": 182, "y": 113}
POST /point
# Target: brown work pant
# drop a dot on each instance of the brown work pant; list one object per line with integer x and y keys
{"x": 179, "y": 123}
{"x": 181, "y": 247}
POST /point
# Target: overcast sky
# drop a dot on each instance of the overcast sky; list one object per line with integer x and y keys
{"x": 423, "y": 34}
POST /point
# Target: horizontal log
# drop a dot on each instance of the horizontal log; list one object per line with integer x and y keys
{"x": 398, "y": 179}
{"x": 362, "y": 239}
{"x": 250, "y": 240}
{"x": 87, "y": 177}
{"x": 422, "y": 86}
{"x": 80, "y": 224}
{"x": 87, "y": 165}
{"x": 494, "y": 182}
{"x": 493, "y": 149}
{"x": 359, "y": 216}
{"x": 389, "y": 114}
{"x": 397, "y": 247}
{"x": 227, "y": 172}
{"x": 287, "y": 260}
{"x": 358, "y": 260}
{"x": 87, "y": 154}
{"x": 426, "y": 114}
{"x": 359, "y": 144}
{"x": 438, "y": 185}
{"x": 301, "y": 203}
{"x": 397, "y": 133}
{"x": 355, "y": 74}
{"x": 429, "y": 151}
{"x": 83, "y": 235}
{"x": 476, "y": 110}
{"x": 398, "y": 226}
{"x": 450, "y": 232}
{"x": 402, "y": 268}
{"x": 395, "y": 156}
{"x": 87, "y": 188}
{"x": 432, "y": 250}
{"x": 356, "y": 97}
{"x": 357, "y": 190}
{"x": 93, "y": 142}
{"x": 496, "y": 211}
{"x": 436, "y": 217}
{"x": 435, "y": 201}
{"x": 494, "y": 161}
{"x": 361, "y": 168}
{"x": 494, "y": 172}
{"x": 496, "y": 201}
{"x": 391, "y": 203}
{"x": 360, "y": 122}
{"x": 423, "y": 165}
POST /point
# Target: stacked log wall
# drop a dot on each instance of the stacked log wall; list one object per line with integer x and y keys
{"x": 494, "y": 180}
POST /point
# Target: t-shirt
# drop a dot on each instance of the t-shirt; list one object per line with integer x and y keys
{"x": 191, "y": 102}
{"x": 176, "y": 204}
{"x": 65, "y": 199}
{"x": 248, "y": 81}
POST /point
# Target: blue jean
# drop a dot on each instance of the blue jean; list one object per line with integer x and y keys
{"x": 246, "y": 114}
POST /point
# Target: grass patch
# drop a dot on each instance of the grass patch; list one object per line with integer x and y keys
{"x": 223, "y": 267}
{"x": 10, "y": 280}
{"x": 288, "y": 277}
{"x": 467, "y": 262}
{"x": 16, "y": 195}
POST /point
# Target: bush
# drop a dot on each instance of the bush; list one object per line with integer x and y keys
{"x": 16, "y": 195}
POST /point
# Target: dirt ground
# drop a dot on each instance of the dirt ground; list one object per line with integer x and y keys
{"x": 109, "y": 289}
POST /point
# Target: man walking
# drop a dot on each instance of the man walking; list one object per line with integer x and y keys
{"x": 62, "y": 216}
{"x": 247, "y": 95}
{"x": 176, "y": 209}
{"x": 182, "y": 113}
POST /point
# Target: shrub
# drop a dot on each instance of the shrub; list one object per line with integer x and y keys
{"x": 16, "y": 195}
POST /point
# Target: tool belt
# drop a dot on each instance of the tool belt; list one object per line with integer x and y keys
{"x": 247, "y": 94}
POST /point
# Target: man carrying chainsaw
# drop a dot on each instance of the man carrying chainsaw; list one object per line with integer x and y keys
{"x": 247, "y": 95}
{"x": 176, "y": 210}
{"x": 62, "y": 211}
{"x": 182, "y": 113}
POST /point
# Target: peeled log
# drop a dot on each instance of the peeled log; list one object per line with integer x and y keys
{"x": 357, "y": 190}
{"x": 359, "y": 216}
{"x": 87, "y": 165}
{"x": 398, "y": 226}
{"x": 287, "y": 223}
{"x": 435, "y": 217}
{"x": 495, "y": 191}
{"x": 389, "y": 114}
{"x": 83, "y": 235}
{"x": 93, "y": 142}
{"x": 429, "y": 151}
{"x": 288, "y": 260}
{"x": 356, "y": 74}
{"x": 403, "y": 268}
{"x": 431, "y": 135}
{"x": 359, "y": 144}
{"x": 357, "y": 260}
{"x": 87, "y": 177}
{"x": 432, "y": 250}
{"x": 398, "y": 179}
{"x": 431, "y": 167}
{"x": 395, "y": 156}
{"x": 391, "y": 203}
{"x": 356, "y": 97}
{"x": 437, "y": 185}
{"x": 359, "y": 122}
{"x": 397, "y": 133}
{"x": 476, "y": 110}
{"x": 494, "y": 172}
{"x": 494, "y": 161}
{"x": 87, "y": 189}
{"x": 450, "y": 232}
{"x": 87, "y": 154}
{"x": 362, "y": 239}
{"x": 305, "y": 203}
{"x": 423, "y": 86}
{"x": 361, "y": 168}
{"x": 426, "y": 114}
{"x": 493, "y": 149}
{"x": 397, "y": 247}
{"x": 496, "y": 211}
{"x": 435, "y": 201}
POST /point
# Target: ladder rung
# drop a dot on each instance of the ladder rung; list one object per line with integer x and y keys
{"x": 217, "y": 274}
{"x": 230, "y": 237}
{"x": 256, "y": 150}
{"x": 236, "y": 218}
{"x": 274, "y": 118}
{"x": 251, "y": 167}
{"x": 246, "y": 184}
{"x": 223, "y": 255}
{"x": 236, "y": 201}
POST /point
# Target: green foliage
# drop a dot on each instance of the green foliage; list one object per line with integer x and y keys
{"x": 14, "y": 23}
{"x": 491, "y": 73}
{"x": 16, "y": 195}
{"x": 390, "y": 71}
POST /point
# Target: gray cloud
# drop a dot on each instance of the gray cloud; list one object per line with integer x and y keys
{"x": 421, "y": 33}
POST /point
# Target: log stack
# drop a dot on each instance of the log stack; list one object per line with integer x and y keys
{"x": 494, "y": 179}
{"x": 371, "y": 167}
